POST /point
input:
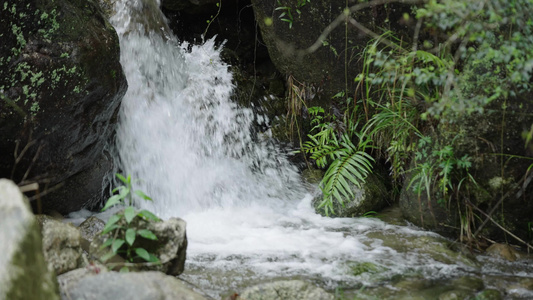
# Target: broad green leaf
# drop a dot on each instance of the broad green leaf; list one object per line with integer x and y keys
{"x": 123, "y": 179}
{"x": 124, "y": 270}
{"x": 147, "y": 234}
{"x": 130, "y": 236}
{"x": 143, "y": 253}
{"x": 113, "y": 200}
{"x": 116, "y": 245}
{"x": 148, "y": 215}
{"x": 154, "y": 259}
{"x": 124, "y": 191}
{"x": 110, "y": 228}
{"x": 109, "y": 225}
{"x": 143, "y": 195}
{"x": 106, "y": 244}
{"x": 129, "y": 214}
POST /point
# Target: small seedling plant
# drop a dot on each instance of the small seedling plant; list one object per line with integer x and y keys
{"x": 120, "y": 230}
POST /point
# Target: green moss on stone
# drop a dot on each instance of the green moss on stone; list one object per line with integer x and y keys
{"x": 30, "y": 276}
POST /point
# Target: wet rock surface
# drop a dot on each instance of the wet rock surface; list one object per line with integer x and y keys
{"x": 60, "y": 86}
{"x": 285, "y": 290}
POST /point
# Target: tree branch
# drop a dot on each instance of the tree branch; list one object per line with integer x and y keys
{"x": 343, "y": 16}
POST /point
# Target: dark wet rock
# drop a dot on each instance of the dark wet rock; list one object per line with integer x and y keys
{"x": 322, "y": 71}
{"x": 372, "y": 196}
{"x": 504, "y": 197}
{"x": 127, "y": 286}
{"x": 170, "y": 246}
{"x": 192, "y": 6}
{"x": 60, "y": 87}
{"x": 24, "y": 273}
{"x": 285, "y": 290}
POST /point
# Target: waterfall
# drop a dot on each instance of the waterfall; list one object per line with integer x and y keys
{"x": 193, "y": 150}
{"x": 180, "y": 135}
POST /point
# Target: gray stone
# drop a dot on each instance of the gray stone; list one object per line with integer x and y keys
{"x": 170, "y": 246}
{"x": 61, "y": 246}
{"x": 127, "y": 286}
{"x": 72, "y": 278}
{"x": 285, "y": 290}
{"x": 23, "y": 270}
{"x": 91, "y": 227}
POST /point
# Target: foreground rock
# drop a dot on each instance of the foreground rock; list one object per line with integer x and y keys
{"x": 127, "y": 286}
{"x": 285, "y": 290}
{"x": 23, "y": 270}
{"x": 61, "y": 245}
{"x": 61, "y": 83}
{"x": 170, "y": 246}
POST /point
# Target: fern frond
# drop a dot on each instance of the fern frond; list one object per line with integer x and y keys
{"x": 350, "y": 166}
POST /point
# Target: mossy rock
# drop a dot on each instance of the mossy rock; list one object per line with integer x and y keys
{"x": 372, "y": 196}
{"x": 25, "y": 274}
{"x": 61, "y": 83}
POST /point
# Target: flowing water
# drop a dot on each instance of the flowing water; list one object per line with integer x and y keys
{"x": 249, "y": 216}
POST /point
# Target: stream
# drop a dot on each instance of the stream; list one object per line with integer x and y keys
{"x": 248, "y": 212}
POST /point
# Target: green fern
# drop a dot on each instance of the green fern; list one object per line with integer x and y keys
{"x": 351, "y": 166}
{"x": 348, "y": 162}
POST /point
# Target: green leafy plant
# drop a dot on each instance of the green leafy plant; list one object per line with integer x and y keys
{"x": 340, "y": 147}
{"x": 120, "y": 228}
{"x": 436, "y": 169}
{"x": 287, "y": 11}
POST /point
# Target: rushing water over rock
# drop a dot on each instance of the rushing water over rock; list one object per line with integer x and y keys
{"x": 249, "y": 217}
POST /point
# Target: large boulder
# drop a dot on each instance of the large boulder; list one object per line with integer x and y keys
{"x": 289, "y": 29}
{"x": 126, "y": 286}
{"x": 495, "y": 144}
{"x": 170, "y": 246}
{"x": 60, "y": 88}
{"x": 285, "y": 290}
{"x": 23, "y": 270}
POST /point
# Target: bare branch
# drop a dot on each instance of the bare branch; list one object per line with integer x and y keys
{"x": 345, "y": 14}
{"x": 500, "y": 226}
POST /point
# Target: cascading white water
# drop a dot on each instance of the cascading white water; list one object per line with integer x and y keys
{"x": 192, "y": 150}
